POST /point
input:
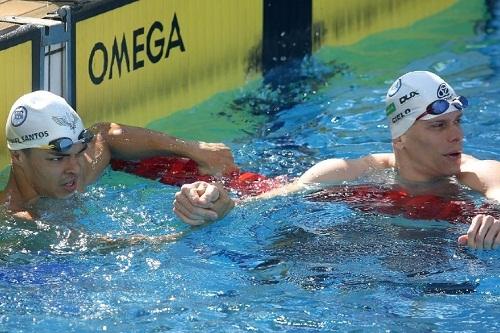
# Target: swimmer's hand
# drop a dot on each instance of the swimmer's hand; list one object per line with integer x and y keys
{"x": 214, "y": 159}
{"x": 483, "y": 233}
{"x": 201, "y": 202}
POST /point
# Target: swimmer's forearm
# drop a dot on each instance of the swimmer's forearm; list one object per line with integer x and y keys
{"x": 330, "y": 172}
{"x": 287, "y": 189}
{"x": 129, "y": 142}
{"x": 324, "y": 173}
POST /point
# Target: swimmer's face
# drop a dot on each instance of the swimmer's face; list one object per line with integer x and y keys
{"x": 434, "y": 146}
{"x": 54, "y": 174}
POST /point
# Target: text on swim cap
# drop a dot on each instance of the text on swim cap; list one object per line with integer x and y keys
{"x": 405, "y": 98}
{"x": 29, "y": 137}
{"x": 400, "y": 116}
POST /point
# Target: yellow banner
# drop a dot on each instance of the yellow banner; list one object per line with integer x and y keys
{"x": 15, "y": 71}
{"x": 147, "y": 59}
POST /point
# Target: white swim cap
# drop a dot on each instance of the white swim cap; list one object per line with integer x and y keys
{"x": 39, "y": 117}
{"x": 409, "y": 96}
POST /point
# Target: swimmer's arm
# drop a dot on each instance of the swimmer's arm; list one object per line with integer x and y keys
{"x": 286, "y": 189}
{"x": 331, "y": 172}
{"x": 129, "y": 142}
{"x": 132, "y": 143}
{"x": 482, "y": 176}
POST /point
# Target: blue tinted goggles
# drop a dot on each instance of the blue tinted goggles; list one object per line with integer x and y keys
{"x": 440, "y": 106}
{"x": 64, "y": 144}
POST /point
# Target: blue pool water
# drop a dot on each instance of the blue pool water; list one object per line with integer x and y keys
{"x": 286, "y": 264}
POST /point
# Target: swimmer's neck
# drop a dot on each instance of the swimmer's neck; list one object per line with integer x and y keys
{"x": 434, "y": 185}
{"x": 17, "y": 195}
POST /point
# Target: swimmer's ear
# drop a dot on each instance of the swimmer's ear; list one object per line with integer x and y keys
{"x": 16, "y": 156}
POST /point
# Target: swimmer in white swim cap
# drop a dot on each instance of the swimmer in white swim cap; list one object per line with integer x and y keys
{"x": 44, "y": 120}
{"x": 424, "y": 114}
{"x": 54, "y": 155}
{"x": 419, "y": 95}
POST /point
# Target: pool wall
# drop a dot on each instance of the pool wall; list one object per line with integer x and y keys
{"x": 137, "y": 61}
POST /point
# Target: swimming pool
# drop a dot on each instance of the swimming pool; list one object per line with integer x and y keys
{"x": 286, "y": 264}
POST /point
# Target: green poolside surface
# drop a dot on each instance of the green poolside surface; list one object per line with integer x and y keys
{"x": 381, "y": 54}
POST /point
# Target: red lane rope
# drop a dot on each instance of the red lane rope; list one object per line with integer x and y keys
{"x": 397, "y": 201}
{"x": 177, "y": 171}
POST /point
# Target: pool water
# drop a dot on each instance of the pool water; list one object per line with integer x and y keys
{"x": 285, "y": 264}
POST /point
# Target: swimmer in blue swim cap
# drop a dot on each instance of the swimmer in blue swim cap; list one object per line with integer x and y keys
{"x": 423, "y": 112}
{"x": 54, "y": 155}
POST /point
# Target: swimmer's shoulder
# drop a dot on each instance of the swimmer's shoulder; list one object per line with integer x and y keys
{"x": 472, "y": 165}
{"x": 471, "y": 162}
{"x": 11, "y": 205}
{"x": 380, "y": 160}
{"x": 481, "y": 175}
{"x": 468, "y": 161}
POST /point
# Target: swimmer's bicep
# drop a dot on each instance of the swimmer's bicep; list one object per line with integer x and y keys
{"x": 335, "y": 170}
{"x": 380, "y": 161}
{"x": 290, "y": 188}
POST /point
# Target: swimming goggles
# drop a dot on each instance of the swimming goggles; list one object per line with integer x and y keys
{"x": 440, "y": 106}
{"x": 64, "y": 144}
